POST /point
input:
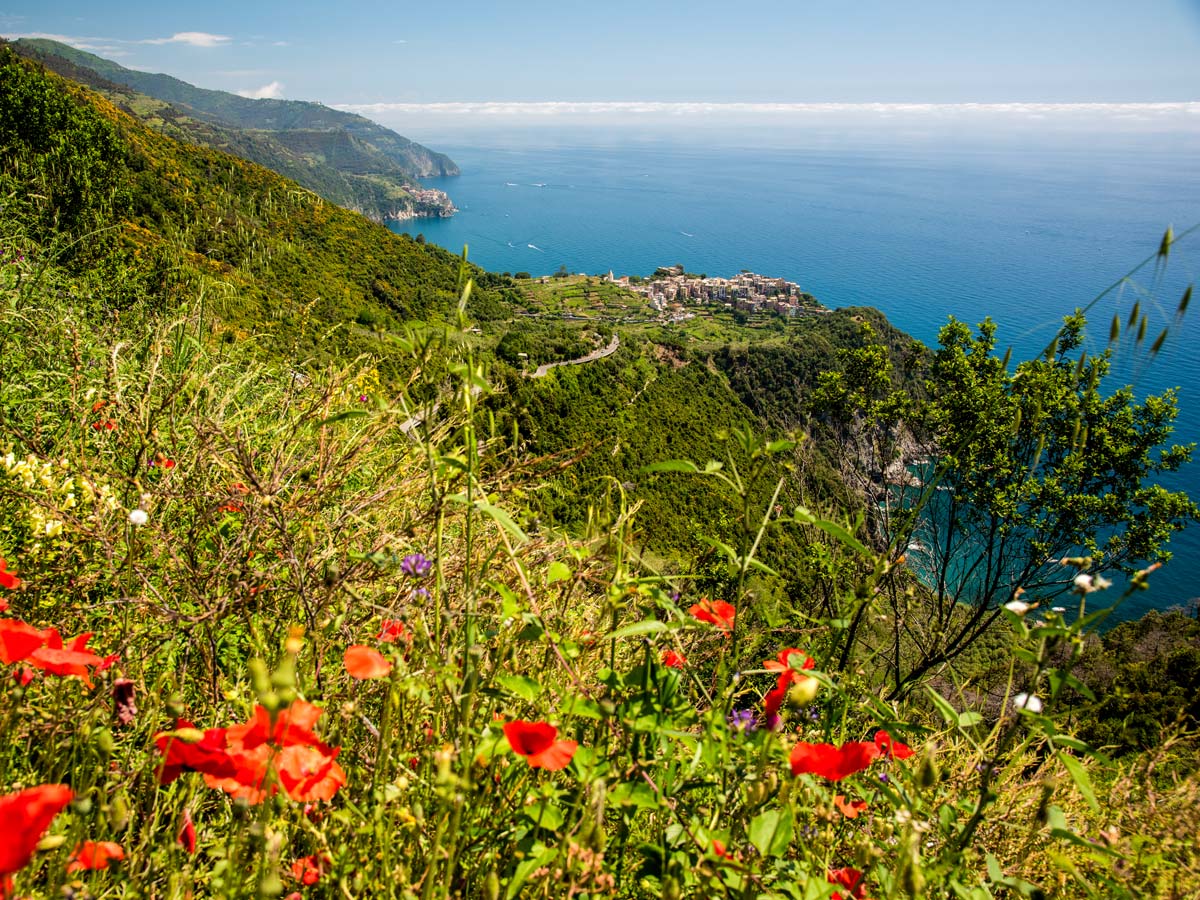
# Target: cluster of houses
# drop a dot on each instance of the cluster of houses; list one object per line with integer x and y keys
{"x": 670, "y": 290}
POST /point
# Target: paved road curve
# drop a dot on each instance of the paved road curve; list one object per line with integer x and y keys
{"x": 591, "y": 357}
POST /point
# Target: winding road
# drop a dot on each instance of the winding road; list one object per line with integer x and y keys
{"x": 544, "y": 368}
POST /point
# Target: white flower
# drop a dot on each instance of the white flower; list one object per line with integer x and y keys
{"x": 1020, "y": 607}
{"x": 1027, "y": 701}
{"x": 1058, "y": 609}
{"x": 1083, "y": 583}
{"x": 138, "y": 517}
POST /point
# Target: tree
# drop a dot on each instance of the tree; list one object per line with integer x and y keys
{"x": 1026, "y": 466}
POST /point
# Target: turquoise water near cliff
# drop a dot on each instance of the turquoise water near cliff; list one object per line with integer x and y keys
{"x": 922, "y": 229}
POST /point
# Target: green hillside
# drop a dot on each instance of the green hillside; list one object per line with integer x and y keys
{"x": 344, "y": 158}
{"x": 280, "y": 263}
{"x": 315, "y": 583}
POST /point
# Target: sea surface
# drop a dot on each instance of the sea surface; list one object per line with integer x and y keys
{"x": 922, "y": 228}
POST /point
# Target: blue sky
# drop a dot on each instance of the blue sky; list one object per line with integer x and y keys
{"x": 752, "y": 51}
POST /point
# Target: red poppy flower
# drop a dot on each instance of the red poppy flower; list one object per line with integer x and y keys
{"x": 24, "y": 818}
{"x": 392, "y": 630}
{"x": 828, "y": 761}
{"x": 309, "y": 773}
{"x": 305, "y": 766}
{"x": 8, "y": 579}
{"x": 536, "y": 742}
{"x": 309, "y": 869}
{"x": 188, "y": 749}
{"x": 851, "y": 809}
{"x": 673, "y": 660}
{"x": 718, "y": 613}
{"x": 782, "y": 661}
{"x": 364, "y": 662}
{"x": 890, "y": 747}
{"x": 18, "y": 640}
{"x": 187, "y": 833}
{"x": 851, "y": 880}
{"x": 94, "y": 856}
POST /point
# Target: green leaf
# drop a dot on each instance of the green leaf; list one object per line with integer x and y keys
{"x": 771, "y": 832}
{"x": 949, "y": 713}
{"x": 525, "y": 688}
{"x": 637, "y": 629}
{"x": 969, "y": 718}
{"x": 672, "y": 465}
{"x": 1080, "y": 776}
{"x": 833, "y": 529}
{"x": 544, "y": 815}
{"x": 342, "y": 416}
{"x": 557, "y": 572}
{"x": 503, "y": 520}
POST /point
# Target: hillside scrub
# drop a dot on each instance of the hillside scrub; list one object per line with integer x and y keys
{"x": 337, "y": 657}
{"x": 283, "y": 612}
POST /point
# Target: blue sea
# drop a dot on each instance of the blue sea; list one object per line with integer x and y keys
{"x": 923, "y": 228}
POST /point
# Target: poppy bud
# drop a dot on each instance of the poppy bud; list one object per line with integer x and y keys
{"x": 803, "y": 692}
{"x": 118, "y": 813}
{"x": 491, "y": 885}
{"x": 671, "y": 889}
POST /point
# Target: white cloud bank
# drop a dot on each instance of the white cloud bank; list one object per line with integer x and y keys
{"x": 192, "y": 39}
{"x": 782, "y": 122}
{"x": 548, "y": 108}
{"x": 272, "y": 91}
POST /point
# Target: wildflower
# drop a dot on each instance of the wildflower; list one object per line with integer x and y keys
{"x": 104, "y": 425}
{"x": 8, "y": 578}
{"x": 1028, "y": 702}
{"x": 187, "y": 833}
{"x": 94, "y": 856}
{"x": 536, "y": 742}
{"x": 24, "y": 817}
{"x": 416, "y": 565}
{"x": 306, "y": 767}
{"x": 189, "y": 749}
{"x": 717, "y": 613}
{"x": 743, "y": 720}
{"x": 161, "y": 461}
{"x": 1020, "y": 607}
{"x": 1087, "y": 584}
{"x": 392, "y": 630}
{"x": 124, "y": 701}
{"x": 18, "y": 640}
{"x": 851, "y": 809}
{"x": 308, "y": 869}
{"x": 73, "y": 659}
{"x": 673, "y": 660}
{"x": 718, "y": 848}
{"x": 788, "y": 678}
{"x": 850, "y": 879}
{"x": 828, "y": 761}
{"x": 138, "y": 517}
{"x": 891, "y": 748}
{"x": 363, "y": 662}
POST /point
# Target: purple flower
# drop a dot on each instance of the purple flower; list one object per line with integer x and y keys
{"x": 415, "y": 564}
{"x": 743, "y": 720}
{"x": 362, "y": 398}
{"x": 883, "y": 777}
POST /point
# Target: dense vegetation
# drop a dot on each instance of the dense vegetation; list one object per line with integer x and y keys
{"x": 343, "y": 158}
{"x": 373, "y": 614}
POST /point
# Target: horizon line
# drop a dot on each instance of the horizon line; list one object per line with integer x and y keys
{"x": 701, "y": 107}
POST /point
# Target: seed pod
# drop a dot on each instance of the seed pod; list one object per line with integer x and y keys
{"x": 1184, "y": 301}
{"x": 1114, "y": 330}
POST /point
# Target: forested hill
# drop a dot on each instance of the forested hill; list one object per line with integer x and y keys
{"x": 146, "y": 215}
{"x": 345, "y": 158}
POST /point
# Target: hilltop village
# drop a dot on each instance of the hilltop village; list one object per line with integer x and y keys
{"x": 671, "y": 289}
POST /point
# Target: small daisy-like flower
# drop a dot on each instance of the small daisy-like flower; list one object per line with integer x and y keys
{"x": 1020, "y": 607}
{"x": 1028, "y": 702}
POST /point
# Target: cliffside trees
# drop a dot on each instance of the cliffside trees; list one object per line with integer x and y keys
{"x": 1028, "y": 465}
